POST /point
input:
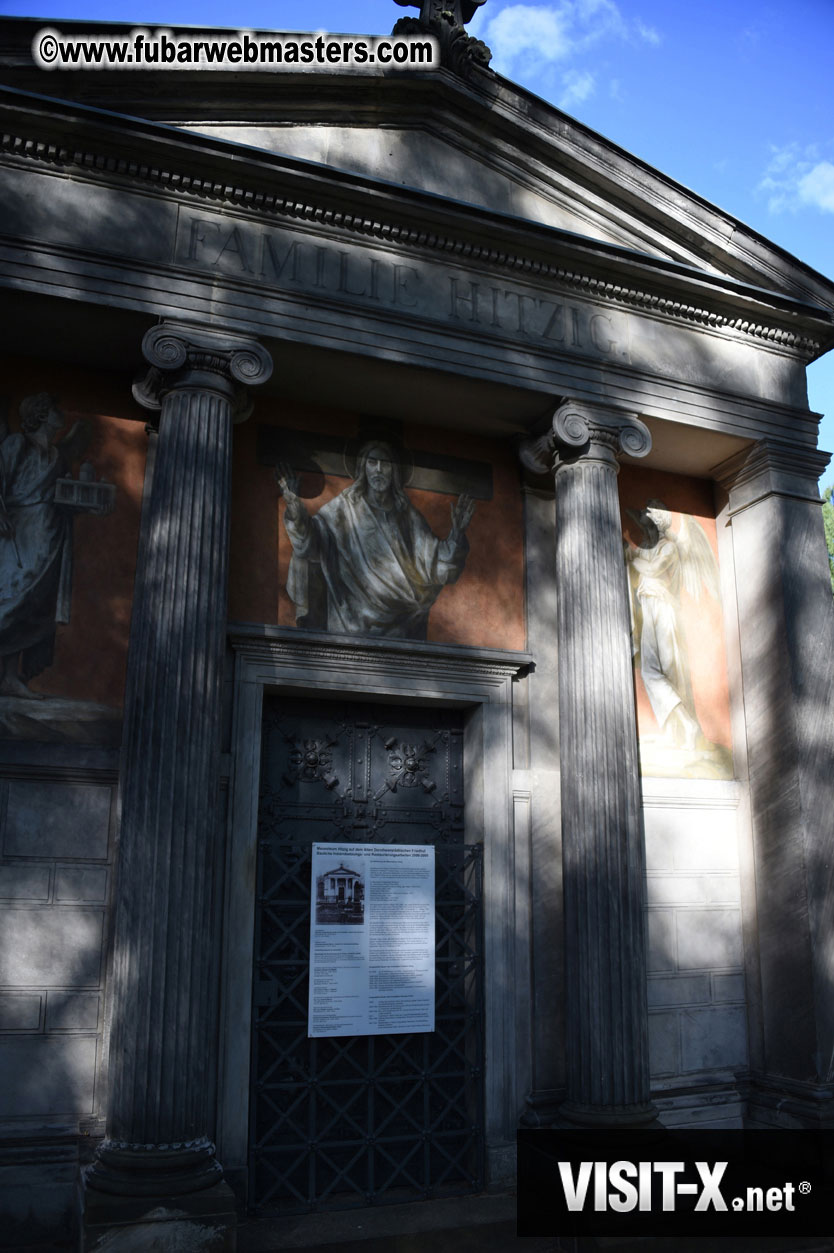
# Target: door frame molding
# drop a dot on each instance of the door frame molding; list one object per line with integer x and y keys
{"x": 282, "y": 659}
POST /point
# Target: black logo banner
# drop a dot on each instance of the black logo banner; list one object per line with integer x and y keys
{"x": 675, "y": 1183}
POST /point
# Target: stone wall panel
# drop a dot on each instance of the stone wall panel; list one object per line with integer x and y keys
{"x": 56, "y": 820}
{"x": 47, "y": 1075}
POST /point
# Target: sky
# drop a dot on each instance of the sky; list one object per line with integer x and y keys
{"x": 732, "y": 98}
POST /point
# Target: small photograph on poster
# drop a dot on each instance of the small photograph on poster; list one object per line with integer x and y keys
{"x": 372, "y": 939}
{"x": 340, "y": 897}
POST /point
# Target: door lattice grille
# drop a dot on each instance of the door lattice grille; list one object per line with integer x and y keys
{"x": 352, "y": 1121}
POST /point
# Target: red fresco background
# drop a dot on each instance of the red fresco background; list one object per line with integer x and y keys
{"x": 485, "y": 608}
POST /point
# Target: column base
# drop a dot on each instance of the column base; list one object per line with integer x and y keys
{"x": 612, "y": 1117}
{"x": 542, "y": 1108}
{"x": 124, "y": 1169}
{"x": 201, "y": 1222}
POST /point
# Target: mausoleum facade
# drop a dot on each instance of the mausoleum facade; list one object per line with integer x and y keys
{"x": 388, "y": 458}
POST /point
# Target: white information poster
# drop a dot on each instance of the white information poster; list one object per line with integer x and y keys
{"x": 371, "y": 939}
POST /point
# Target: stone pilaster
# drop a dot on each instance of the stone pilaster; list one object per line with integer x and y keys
{"x": 162, "y": 1047}
{"x": 602, "y": 836}
{"x": 786, "y": 645}
{"x": 539, "y": 736}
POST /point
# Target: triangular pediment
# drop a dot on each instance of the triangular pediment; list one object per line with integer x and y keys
{"x": 415, "y": 157}
{"x": 478, "y": 140}
{"x": 489, "y": 143}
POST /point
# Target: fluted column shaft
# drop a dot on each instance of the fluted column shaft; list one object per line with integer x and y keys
{"x": 602, "y": 836}
{"x": 161, "y": 1040}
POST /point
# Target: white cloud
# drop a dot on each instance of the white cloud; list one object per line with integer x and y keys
{"x": 525, "y": 38}
{"x": 522, "y": 33}
{"x": 578, "y": 86}
{"x": 548, "y": 41}
{"x": 796, "y": 177}
{"x": 816, "y": 188}
{"x": 648, "y": 33}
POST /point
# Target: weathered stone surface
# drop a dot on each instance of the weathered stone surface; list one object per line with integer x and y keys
{"x": 680, "y": 990}
{"x": 685, "y": 889}
{"x": 80, "y": 883}
{"x": 728, "y": 987}
{"x": 664, "y": 1043}
{"x": 57, "y": 820}
{"x": 713, "y": 1039}
{"x": 67, "y": 1011}
{"x": 723, "y": 889}
{"x": 662, "y": 953}
{"x": 47, "y": 1075}
{"x": 708, "y": 938}
{"x": 24, "y": 883}
{"x": 675, "y": 890}
{"x": 20, "y": 1011}
{"x": 48, "y": 947}
{"x": 682, "y": 838}
{"x": 694, "y": 925}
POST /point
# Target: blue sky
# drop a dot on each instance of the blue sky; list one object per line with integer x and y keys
{"x": 733, "y": 98}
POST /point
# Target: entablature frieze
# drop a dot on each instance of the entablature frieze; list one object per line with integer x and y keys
{"x": 229, "y": 227}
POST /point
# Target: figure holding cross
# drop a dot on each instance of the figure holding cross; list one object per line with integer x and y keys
{"x": 382, "y": 565}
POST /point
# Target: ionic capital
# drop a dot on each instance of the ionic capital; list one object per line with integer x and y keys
{"x": 182, "y": 356}
{"x": 585, "y": 430}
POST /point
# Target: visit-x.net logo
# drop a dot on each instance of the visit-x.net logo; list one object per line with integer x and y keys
{"x": 675, "y": 1183}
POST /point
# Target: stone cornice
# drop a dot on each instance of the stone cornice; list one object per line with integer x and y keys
{"x": 258, "y": 642}
{"x": 771, "y": 468}
{"x": 457, "y": 232}
{"x": 486, "y": 111}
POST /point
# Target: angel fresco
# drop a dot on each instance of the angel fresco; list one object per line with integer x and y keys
{"x": 666, "y": 563}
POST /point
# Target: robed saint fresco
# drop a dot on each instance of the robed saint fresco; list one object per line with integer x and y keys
{"x": 39, "y": 499}
{"x": 35, "y": 540}
{"x": 381, "y": 564}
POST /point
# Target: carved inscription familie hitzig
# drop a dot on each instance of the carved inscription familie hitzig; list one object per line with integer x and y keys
{"x": 288, "y": 260}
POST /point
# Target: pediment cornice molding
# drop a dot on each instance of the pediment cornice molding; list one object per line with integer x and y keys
{"x": 456, "y": 232}
{"x": 490, "y": 117}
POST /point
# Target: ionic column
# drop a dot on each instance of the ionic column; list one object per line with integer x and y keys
{"x": 602, "y": 836}
{"x": 162, "y": 1047}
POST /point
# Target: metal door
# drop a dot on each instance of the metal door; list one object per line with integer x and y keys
{"x": 353, "y": 1121}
